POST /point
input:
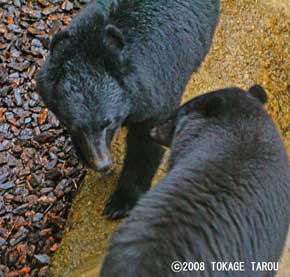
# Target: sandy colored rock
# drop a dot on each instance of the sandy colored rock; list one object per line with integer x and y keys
{"x": 251, "y": 46}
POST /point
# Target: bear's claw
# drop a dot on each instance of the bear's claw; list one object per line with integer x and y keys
{"x": 118, "y": 207}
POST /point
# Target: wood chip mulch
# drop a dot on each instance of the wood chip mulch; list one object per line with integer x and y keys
{"x": 39, "y": 172}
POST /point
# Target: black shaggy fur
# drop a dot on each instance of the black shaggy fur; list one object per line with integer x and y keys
{"x": 226, "y": 197}
{"x": 127, "y": 63}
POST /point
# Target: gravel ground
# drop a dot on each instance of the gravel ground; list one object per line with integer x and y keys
{"x": 39, "y": 173}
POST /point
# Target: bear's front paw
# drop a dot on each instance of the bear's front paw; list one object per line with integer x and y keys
{"x": 119, "y": 206}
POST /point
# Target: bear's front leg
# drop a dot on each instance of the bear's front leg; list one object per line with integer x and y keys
{"x": 142, "y": 160}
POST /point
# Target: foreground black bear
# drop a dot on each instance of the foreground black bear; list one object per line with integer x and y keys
{"x": 125, "y": 63}
{"x": 226, "y": 197}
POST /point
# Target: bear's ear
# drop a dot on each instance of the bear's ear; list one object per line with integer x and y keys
{"x": 258, "y": 92}
{"x": 213, "y": 105}
{"x": 59, "y": 36}
{"x": 114, "y": 39}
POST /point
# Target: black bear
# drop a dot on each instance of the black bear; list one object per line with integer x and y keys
{"x": 125, "y": 63}
{"x": 226, "y": 197}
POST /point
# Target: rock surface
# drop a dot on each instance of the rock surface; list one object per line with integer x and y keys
{"x": 251, "y": 46}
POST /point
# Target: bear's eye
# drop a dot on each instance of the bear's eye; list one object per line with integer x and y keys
{"x": 106, "y": 122}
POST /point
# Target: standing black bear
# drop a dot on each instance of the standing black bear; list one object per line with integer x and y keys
{"x": 126, "y": 63}
{"x": 226, "y": 197}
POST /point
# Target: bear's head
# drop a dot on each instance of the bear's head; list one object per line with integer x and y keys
{"x": 81, "y": 82}
{"x": 221, "y": 113}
